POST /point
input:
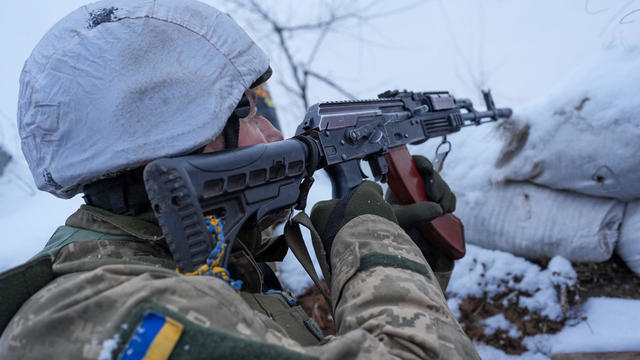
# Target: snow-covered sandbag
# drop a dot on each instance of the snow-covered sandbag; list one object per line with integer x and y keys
{"x": 584, "y": 136}
{"x": 536, "y": 222}
{"x": 628, "y": 247}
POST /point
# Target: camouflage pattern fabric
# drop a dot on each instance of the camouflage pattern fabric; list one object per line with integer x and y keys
{"x": 387, "y": 304}
{"x": 392, "y": 308}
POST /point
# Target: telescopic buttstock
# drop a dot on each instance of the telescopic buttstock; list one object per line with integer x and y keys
{"x": 446, "y": 232}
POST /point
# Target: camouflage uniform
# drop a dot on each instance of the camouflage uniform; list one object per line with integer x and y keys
{"x": 112, "y": 269}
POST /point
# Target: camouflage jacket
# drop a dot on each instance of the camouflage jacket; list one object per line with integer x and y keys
{"x": 115, "y": 282}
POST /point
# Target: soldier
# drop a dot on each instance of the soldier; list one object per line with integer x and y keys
{"x": 119, "y": 83}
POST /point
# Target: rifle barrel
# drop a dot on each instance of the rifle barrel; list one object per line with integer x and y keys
{"x": 476, "y": 117}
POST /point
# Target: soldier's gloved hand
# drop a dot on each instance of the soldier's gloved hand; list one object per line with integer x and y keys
{"x": 438, "y": 193}
{"x": 410, "y": 217}
{"x": 436, "y": 188}
{"x": 328, "y": 217}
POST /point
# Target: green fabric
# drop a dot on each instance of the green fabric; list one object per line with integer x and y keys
{"x": 198, "y": 342}
{"x": 143, "y": 226}
{"x": 66, "y": 235}
{"x": 291, "y": 318}
{"x": 369, "y": 261}
{"x": 436, "y": 188}
{"x": 17, "y": 285}
{"x": 417, "y": 213}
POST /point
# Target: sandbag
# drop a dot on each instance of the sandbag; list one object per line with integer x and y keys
{"x": 584, "y": 136}
{"x": 628, "y": 247}
{"x": 535, "y": 222}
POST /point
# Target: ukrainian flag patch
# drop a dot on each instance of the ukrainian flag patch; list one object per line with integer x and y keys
{"x": 154, "y": 338}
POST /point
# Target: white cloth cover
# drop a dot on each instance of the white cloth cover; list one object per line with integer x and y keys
{"x": 118, "y": 83}
{"x": 536, "y": 222}
{"x": 629, "y": 244}
{"x": 585, "y": 135}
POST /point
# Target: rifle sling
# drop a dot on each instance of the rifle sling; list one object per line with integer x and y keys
{"x": 293, "y": 237}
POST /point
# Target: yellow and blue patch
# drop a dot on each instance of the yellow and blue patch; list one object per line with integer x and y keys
{"x": 154, "y": 338}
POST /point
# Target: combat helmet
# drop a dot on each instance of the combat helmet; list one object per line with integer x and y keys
{"x": 118, "y": 83}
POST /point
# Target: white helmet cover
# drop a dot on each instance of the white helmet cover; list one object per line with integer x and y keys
{"x": 118, "y": 83}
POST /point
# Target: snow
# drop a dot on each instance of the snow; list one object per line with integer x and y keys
{"x": 564, "y": 193}
{"x": 607, "y": 325}
{"x": 108, "y": 346}
{"x": 499, "y": 322}
{"x": 490, "y": 353}
{"x": 485, "y": 272}
{"x": 611, "y": 325}
{"x": 562, "y": 272}
{"x": 603, "y": 324}
{"x": 582, "y": 131}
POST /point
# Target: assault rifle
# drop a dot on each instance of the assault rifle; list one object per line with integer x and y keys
{"x": 242, "y": 186}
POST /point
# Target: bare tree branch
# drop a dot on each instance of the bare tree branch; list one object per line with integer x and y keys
{"x": 321, "y": 24}
{"x": 622, "y": 20}
{"x": 616, "y": 16}
{"x": 316, "y": 46}
{"x": 336, "y": 15}
{"x": 477, "y": 81}
{"x": 592, "y": 12}
{"x": 292, "y": 65}
{"x": 330, "y": 83}
{"x": 289, "y": 88}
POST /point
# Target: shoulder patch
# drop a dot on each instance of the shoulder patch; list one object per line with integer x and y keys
{"x": 154, "y": 338}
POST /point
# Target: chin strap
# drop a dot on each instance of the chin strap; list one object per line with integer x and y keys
{"x": 232, "y": 131}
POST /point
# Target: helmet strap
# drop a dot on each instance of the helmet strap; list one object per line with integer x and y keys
{"x": 232, "y": 132}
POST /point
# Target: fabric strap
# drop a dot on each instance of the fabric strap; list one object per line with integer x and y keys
{"x": 293, "y": 236}
{"x": 335, "y": 223}
{"x": 232, "y": 132}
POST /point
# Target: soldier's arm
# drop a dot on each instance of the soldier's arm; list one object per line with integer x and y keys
{"x": 385, "y": 297}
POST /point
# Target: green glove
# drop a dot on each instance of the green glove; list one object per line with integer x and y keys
{"x": 437, "y": 189}
{"x": 441, "y": 199}
{"x": 328, "y": 217}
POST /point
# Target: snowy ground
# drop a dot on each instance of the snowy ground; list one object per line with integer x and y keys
{"x": 609, "y": 325}
{"x": 598, "y": 325}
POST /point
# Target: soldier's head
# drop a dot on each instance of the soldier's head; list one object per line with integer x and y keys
{"x": 118, "y": 83}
